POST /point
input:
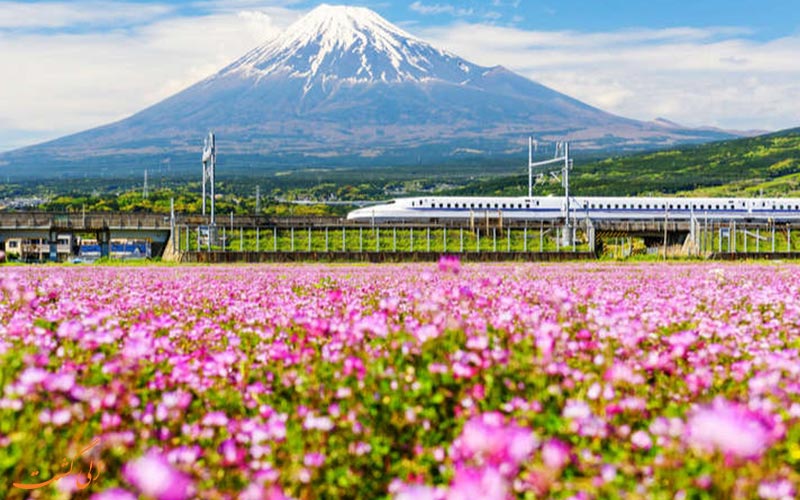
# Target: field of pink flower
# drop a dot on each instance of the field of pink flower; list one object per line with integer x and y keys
{"x": 413, "y": 381}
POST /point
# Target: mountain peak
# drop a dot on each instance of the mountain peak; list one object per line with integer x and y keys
{"x": 335, "y": 44}
{"x": 341, "y": 22}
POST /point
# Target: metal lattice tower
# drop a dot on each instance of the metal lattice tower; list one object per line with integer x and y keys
{"x": 561, "y": 155}
{"x": 209, "y": 167}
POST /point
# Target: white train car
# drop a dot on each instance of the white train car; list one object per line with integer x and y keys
{"x": 441, "y": 208}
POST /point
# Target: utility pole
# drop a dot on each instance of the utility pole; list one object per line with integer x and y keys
{"x": 561, "y": 153}
{"x": 209, "y": 172}
{"x": 209, "y": 167}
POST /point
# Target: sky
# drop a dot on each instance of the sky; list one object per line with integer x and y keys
{"x": 735, "y": 64}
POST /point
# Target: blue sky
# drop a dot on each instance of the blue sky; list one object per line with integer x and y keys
{"x": 732, "y": 64}
{"x": 766, "y": 18}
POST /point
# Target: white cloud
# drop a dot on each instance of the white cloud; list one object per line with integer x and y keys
{"x": 427, "y": 9}
{"x": 713, "y": 76}
{"x": 66, "y": 82}
{"x": 27, "y": 15}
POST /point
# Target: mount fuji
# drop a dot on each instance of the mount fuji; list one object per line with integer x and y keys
{"x": 343, "y": 86}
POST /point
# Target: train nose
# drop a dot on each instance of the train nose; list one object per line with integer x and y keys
{"x": 358, "y": 214}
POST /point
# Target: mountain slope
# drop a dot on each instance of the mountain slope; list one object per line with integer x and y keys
{"x": 768, "y": 164}
{"x": 342, "y": 86}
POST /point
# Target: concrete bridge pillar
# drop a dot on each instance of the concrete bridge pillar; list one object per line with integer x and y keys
{"x": 53, "y": 242}
{"x": 104, "y": 239}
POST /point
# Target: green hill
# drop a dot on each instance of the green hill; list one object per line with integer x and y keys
{"x": 768, "y": 164}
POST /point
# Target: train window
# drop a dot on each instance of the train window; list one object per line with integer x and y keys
{"x": 496, "y": 205}
{"x": 537, "y": 203}
{"x": 448, "y": 205}
{"x": 647, "y": 206}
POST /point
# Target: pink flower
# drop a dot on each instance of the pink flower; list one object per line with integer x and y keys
{"x": 777, "y": 490}
{"x": 32, "y": 376}
{"x": 61, "y": 417}
{"x": 449, "y": 264}
{"x": 471, "y": 484}
{"x": 231, "y": 453}
{"x": 555, "y": 454}
{"x": 114, "y": 494}
{"x": 155, "y": 477}
{"x": 418, "y": 492}
{"x": 256, "y": 491}
{"x": 487, "y": 439}
{"x": 313, "y": 459}
{"x": 641, "y": 440}
{"x": 215, "y": 419}
{"x": 729, "y": 428}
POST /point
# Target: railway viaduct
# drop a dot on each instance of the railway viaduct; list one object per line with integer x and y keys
{"x": 165, "y": 232}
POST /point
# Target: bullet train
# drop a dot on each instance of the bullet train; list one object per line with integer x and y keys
{"x": 438, "y": 208}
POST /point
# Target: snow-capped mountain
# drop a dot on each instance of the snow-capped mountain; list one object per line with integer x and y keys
{"x": 340, "y": 84}
{"x": 353, "y": 45}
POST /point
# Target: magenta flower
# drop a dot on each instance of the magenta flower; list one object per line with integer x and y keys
{"x": 471, "y": 484}
{"x": 730, "y": 429}
{"x": 487, "y": 439}
{"x": 418, "y": 492}
{"x": 556, "y": 454}
{"x": 314, "y": 459}
{"x": 155, "y": 477}
{"x": 256, "y": 491}
{"x": 641, "y": 440}
{"x": 777, "y": 490}
{"x": 114, "y": 494}
{"x": 449, "y": 264}
{"x": 231, "y": 453}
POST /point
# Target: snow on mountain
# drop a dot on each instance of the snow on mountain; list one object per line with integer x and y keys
{"x": 353, "y": 44}
{"x": 342, "y": 82}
